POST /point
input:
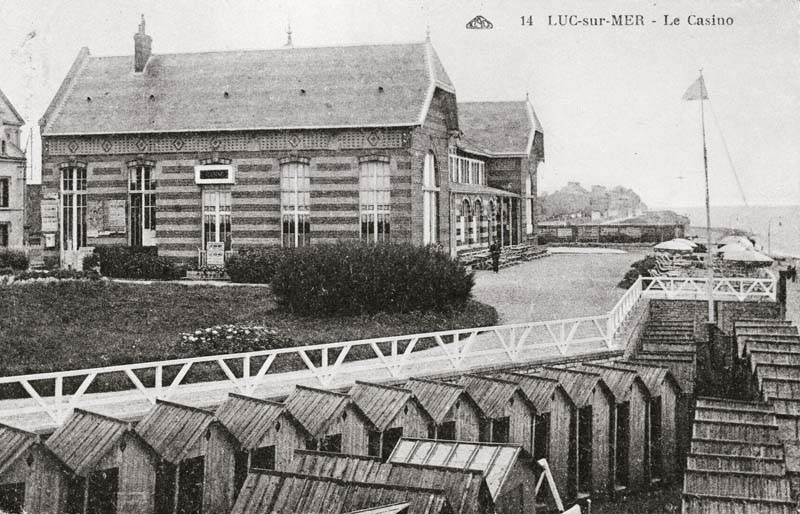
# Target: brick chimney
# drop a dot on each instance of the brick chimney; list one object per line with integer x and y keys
{"x": 142, "y": 46}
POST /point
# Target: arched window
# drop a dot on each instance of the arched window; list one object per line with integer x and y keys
{"x": 478, "y": 217}
{"x": 430, "y": 200}
{"x": 295, "y": 203}
{"x": 374, "y": 197}
{"x": 466, "y": 222}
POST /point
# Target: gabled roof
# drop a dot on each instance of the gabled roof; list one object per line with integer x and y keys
{"x": 539, "y": 390}
{"x": 8, "y": 114}
{"x": 279, "y": 89}
{"x": 85, "y": 438}
{"x": 653, "y": 376}
{"x": 397, "y": 508}
{"x": 498, "y": 128}
{"x": 315, "y": 409}
{"x": 249, "y": 419}
{"x": 495, "y": 461}
{"x": 438, "y": 398}
{"x": 351, "y": 468}
{"x": 268, "y": 492}
{"x": 381, "y": 403}
{"x": 491, "y": 394}
{"x": 621, "y": 381}
{"x": 14, "y": 442}
{"x": 172, "y": 429}
{"x": 579, "y": 384}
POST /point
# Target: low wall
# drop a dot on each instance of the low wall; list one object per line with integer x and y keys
{"x": 725, "y": 311}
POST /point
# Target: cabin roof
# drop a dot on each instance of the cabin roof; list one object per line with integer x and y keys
{"x": 652, "y": 376}
{"x": 381, "y": 403}
{"x": 491, "y": 394}
{"x": 279, "y": 492}
{"x": 172, "y": 429}
{"x": 579, "y": 384}
{"x": 437, "y": 398}
{"x": 249, "y": 419}
{"x": 278, "y": 89}
{"x": 14, "y": 442}
{"x": 539, "y": 390}
{"x": 621, "y": 381}
{"x": 495, "y": 461}
{"x": 353, "y": 468}
{"x": 315, "y": 409}
{"x": 396, "y": 508}
{"x": 85, "y": 438}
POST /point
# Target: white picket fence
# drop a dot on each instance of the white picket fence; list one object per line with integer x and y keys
{"x": 389, "y": 357}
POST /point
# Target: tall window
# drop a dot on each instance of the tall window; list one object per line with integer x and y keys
{"x": 295, "y": 204}
{"x": 73, "y": 207}
{"x": 142, "y": 197}
{"x": 478, "y": 221}
{"x": 217, "y": 215}
{"x": 430, "y": 201}
{"x": 4, "y": 185}
{"x": 466, "y": 222}
{"x": 3, "y": 234}
{"x": 528, "y": 204}
{"x": 374, "y": 194}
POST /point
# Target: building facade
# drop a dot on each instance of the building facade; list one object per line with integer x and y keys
{"x": 286, "y": 147}
{"x": 12, "y": 176}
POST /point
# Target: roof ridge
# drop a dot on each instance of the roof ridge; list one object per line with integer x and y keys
{"x": 493, "y": 379}
{"x": 532, "y": 377}
{"x": 420, "y": 465}
{"x": 384, "y": 386}
{"x": 337, "y": 454}
{"x": 19, "y": 430}
{"x": 318, "y": 390}
{"x": 435, "y": 382}
{"x": 184, "y": 406}
{"x": 254, "y": 399}
{"x": 103, "y": 416}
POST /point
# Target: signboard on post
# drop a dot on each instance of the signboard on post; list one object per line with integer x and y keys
{"x": 215, "y": 254}
{"x": 49, "y": 208}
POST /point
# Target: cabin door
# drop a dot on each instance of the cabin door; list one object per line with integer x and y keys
{"x": 12, "y": 498}
{"x": 190, "y": 486}
{"x": 623, "y": 444}
{"x": 585, "y": 436}
{"x": 102, "y": 497}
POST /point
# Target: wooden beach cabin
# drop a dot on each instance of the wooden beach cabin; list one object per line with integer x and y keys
{"x": 32, "y": 479}
{"x": 509, "y": 474}
{"x": 508, "y": 415}
{"x": 268, "y": 492}
{"x": 333, "y": 421}
{"x": 112, "y": 468}
{"x": 266, "y": 433}
{"x": 394, "y": 411}
{"x": 631, "y": 425}
{"x": 595, "y": 406}
{"x": 455, "y": 414}
{"x": 466, "y": 489}
{"x": 665, "y": 394}
{"x": 556, "y": 415}
{"x": 197, "y": 468}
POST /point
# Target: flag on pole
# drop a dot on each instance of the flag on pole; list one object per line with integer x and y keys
{"x": 696, "y": 91}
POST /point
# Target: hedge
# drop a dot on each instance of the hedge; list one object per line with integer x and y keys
{"x": 119, "y": 261}
{"x": 638, "y": 268}
{"x": 357, "y": 278}
{"x": 14, "y": 259}
{"x": 254, "y": 264}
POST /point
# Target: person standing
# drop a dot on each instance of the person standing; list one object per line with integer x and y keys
{"x": 494, "y": 251}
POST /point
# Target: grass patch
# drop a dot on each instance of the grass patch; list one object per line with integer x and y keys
{"x": 77, "y": 324}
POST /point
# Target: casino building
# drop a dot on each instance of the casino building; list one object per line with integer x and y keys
{"x": 289, "y": 146}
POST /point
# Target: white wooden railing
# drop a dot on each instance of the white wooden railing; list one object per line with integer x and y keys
{"x": 724, "y": 288}
{"x": 390, "y": 357}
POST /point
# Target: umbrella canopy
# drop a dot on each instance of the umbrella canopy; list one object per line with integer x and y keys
{"x": 732, "y": 247}
{"x": 745, "y": 255}
{"x": 673, "y": 246}
{"x": 685, "y": 241}
{"x": 740, "y": 240}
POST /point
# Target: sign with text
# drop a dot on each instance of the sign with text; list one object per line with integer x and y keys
{"x": 115, "y": 216}
{"x": 94, "y": 218}
{"x": 215, "y": 254}
{"x": 49, "y": 215}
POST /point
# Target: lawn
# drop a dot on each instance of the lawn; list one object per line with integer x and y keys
{"x": 76, "y": 324}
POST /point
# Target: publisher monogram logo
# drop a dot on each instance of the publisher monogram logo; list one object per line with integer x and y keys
{"x": 479, "y": 22}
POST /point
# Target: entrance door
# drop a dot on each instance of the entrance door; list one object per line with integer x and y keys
{"x": 216, "y": 216}
{"x": 103, "y": 487}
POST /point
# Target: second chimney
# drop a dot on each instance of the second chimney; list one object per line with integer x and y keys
{"x": 142, "y": 47}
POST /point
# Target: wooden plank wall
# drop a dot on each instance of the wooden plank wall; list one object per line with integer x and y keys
{"x": 602, "y": 457}
{"x": 415, "y": 423}
{"x": 46, "y": 487}
{"x": 467, "y": 419}
{"x": 562, "y": 414}
{"x": 638, "y": 475}
{"x": 218, "y": 473}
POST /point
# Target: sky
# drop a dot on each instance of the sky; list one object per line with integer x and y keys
{"x": 609, "y": 97}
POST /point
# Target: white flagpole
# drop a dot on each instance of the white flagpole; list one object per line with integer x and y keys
{"x": 709, "y": 247}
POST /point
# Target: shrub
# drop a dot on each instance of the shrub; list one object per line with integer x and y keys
{"x": 638, "y": 268}
{"x": 254, "y": 264}
{"x": 223, "y": 339}
{"x": 131, "y": 262}
{"x": 355, "y": 278}
{"x": 14, "y": 259}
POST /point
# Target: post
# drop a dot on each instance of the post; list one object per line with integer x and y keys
{"x": 709, "y": 248}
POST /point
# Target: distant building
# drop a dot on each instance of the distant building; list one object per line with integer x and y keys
{"x": 12, "y": 176}
{"x": 289, "y": 147}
